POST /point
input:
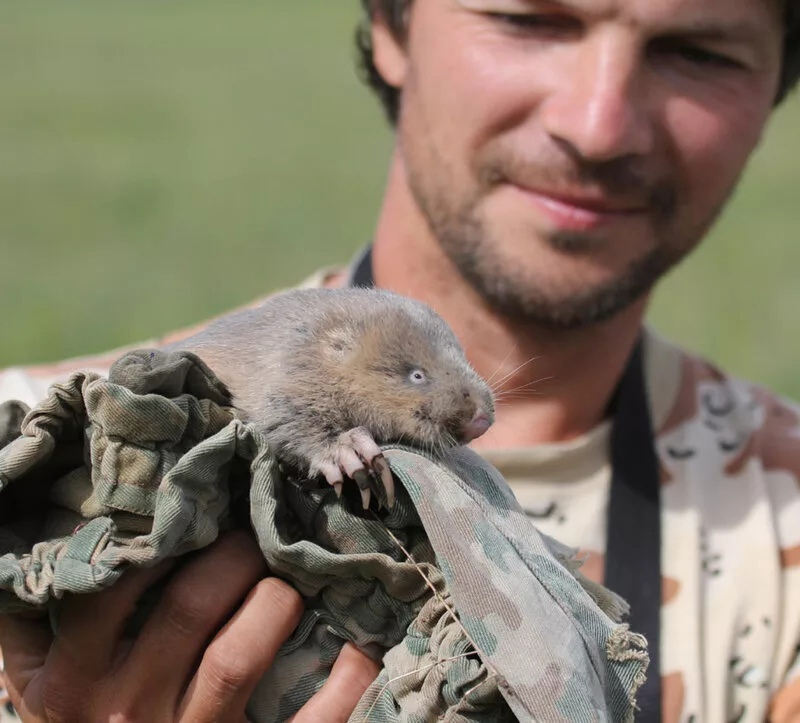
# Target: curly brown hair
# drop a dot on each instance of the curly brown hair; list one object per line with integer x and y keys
{"x": 395, "y": 14}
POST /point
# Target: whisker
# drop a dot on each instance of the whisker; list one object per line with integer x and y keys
{"x": 500, "y": 365}
{"x": 522, "y": 393}
{"x": 526, "y": 385}
{"x": 505, "y": 401}
{"x": 499, "y": 382}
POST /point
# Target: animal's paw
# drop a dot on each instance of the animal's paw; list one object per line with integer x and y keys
{"x": 354, "y": 454}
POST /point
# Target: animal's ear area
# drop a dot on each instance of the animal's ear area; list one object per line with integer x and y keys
{"x": 340, "y": 342}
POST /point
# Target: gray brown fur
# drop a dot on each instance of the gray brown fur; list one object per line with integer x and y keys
{"x": 311, "y": 364}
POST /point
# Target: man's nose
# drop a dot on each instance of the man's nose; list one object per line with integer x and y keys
{"x": 600, "y": 110}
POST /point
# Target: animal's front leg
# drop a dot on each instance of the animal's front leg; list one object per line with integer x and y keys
{"x": 355, "y": 454}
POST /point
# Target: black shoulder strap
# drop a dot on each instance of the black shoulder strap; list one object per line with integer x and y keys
{"x": 633, "y": 542}
{"x": 633, "y": 537}
{"x": 362, "y": 269}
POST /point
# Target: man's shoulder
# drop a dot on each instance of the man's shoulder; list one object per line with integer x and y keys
{"x": 29, "y": 384}
{"x": 729, "y": 454}
{"x": 713, "y": 415}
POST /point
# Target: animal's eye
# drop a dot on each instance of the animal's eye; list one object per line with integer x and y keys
{"x": 417, "y": 376}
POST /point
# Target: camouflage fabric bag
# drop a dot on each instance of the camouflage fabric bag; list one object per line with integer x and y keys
{"x": 476, "y": 615}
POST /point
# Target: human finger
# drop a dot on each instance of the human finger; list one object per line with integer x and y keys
{"x": 90, "y": 626}
{"x": 241, "y": 653}
{"x": 202, "y": 595}
{"x": 352, "y": 673}
{"x": 89, "y": 630}
{"x": 25, "y": 644}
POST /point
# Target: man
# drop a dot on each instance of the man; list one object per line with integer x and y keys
{"x": 553, "y": 161}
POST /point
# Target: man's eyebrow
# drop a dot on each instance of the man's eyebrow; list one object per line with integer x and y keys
{"x": 731, "y": 31}
{"x": 723, "y": 29}
{"x": 510, "y": 5}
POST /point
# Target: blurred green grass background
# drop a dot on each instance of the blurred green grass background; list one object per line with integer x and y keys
{"x": 163, "y": 161}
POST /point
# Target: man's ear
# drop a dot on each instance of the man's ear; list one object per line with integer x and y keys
{"x": 388, "y": 53}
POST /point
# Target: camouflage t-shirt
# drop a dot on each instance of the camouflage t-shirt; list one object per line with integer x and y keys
{"x": 730, "y": 469}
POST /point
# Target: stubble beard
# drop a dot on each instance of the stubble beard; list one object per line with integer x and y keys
{"x": 507, "y": 285}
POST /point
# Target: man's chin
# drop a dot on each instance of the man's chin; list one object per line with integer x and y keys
{"x": 580, "y": 300}
{"x": 566, "y": 315}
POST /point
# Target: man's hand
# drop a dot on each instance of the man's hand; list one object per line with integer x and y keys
{"x": 187, "y": 664}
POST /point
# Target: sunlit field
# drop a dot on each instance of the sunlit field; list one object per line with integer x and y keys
{"x": 163, "y": 161}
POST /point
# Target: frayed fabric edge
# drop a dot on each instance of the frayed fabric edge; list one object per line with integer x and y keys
{"x": 625, "y": 646}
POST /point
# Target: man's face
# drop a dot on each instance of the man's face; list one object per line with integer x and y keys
{"x": 567, "y": 153}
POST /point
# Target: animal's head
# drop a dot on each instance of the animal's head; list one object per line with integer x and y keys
{"x": 407, "y": 377}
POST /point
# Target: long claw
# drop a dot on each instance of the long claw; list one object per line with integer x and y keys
{"x": 355, "y": 455}
{"x": 364, "y": 483}
{"x": 381, "y": 466}
{"x": 362, "y": 479}
{"x": 365, "y": 498}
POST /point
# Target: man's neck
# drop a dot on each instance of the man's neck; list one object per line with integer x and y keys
{"x": 547, "y": 392}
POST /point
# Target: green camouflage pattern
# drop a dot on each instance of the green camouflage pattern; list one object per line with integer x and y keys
{"x": 475, "y": 615}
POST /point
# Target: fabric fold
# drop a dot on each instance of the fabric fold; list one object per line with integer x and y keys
{"x": 474, "y": 614}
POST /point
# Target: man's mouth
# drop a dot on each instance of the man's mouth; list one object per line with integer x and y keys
{"x": 575, "y": 211}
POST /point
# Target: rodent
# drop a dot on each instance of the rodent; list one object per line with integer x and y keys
{"x": 327, "y": 375}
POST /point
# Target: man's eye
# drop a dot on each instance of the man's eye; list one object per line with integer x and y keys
{"x": 536, "y": 22}
{"x": 697, "y": 55}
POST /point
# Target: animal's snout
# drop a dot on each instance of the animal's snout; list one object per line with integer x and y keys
{"x": 479, "y": 423}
